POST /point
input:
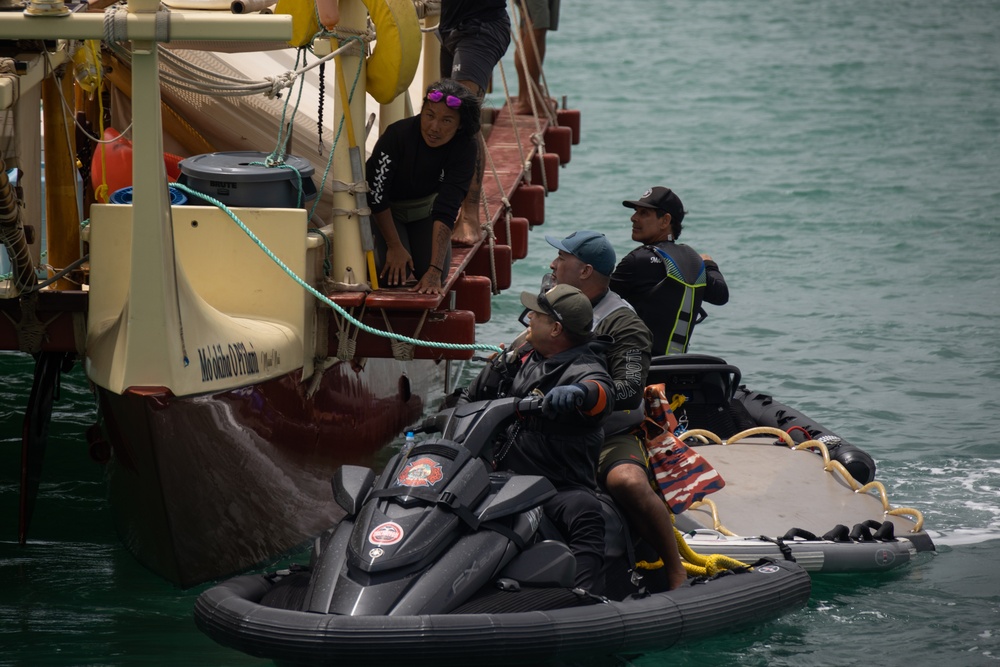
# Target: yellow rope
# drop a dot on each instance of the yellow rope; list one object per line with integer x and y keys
{"x": 829, "y": 465}
{"x": 701, "y": 434}
{"x": 714, "y": 511}
{"x": 695, "y": 564}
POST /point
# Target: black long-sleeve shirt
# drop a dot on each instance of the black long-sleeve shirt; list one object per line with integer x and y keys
{"x": 403, "y": 167}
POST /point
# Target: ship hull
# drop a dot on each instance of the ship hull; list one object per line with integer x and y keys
{"x": 202, "y": 487}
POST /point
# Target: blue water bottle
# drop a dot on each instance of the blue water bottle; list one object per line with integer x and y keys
{"x": 408, "y": 445}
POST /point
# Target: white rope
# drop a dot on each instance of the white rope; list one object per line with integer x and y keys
{"x": 72, "y": 114}
{"x": 201, "y": 81}
{"x": 116, "y": 24}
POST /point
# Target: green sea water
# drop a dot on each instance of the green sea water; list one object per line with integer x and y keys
{"x": 841, "y": 162}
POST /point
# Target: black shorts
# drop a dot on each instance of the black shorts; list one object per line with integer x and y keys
{"x": 621, "y": 449}
{"x": 544, "y": 14}
{"x": 472, "y": 50}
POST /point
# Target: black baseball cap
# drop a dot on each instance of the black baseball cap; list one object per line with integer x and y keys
{"x": 662, "y": 199}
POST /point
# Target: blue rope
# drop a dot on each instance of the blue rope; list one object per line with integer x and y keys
{"x": 309, "y": 288}
{"x": 298, "y": 177}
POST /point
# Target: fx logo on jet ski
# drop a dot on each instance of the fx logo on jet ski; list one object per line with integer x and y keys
{"x": 422, "y": 472}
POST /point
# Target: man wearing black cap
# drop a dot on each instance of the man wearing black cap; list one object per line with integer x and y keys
{"x": 566, "y": 365}
{"x": 585, "y": 261}
{"x": 666, "y": 281}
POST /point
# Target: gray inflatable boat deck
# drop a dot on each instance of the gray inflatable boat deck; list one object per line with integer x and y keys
{"x": 771, "y": 489}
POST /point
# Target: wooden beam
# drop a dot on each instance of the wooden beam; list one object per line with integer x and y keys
{"x": 62, "y": 217}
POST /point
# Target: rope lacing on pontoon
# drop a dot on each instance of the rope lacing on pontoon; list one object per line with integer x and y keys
{"x": 488, "y": 226}
{"x": 829, "y": 465}
{"x": 347, "y": 337}
{"x": 537, "y": 137}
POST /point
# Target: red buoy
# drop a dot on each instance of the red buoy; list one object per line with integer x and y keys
{"x": 570, "y": 118}
{"x": 550, "y": 162}
{"x": 558, "y": 140}
{"x": 519, "y": 236}
{"x": 528, "y": 201}
{"x": 473, "y": 293}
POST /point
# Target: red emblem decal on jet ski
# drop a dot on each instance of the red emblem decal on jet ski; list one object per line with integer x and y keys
{"x": 386, "y": 533}
{"x": 422, "y": 472}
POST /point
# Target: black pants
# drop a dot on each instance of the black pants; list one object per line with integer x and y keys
{"x": 577, "y": 515}
{"x": 418, "y": 239}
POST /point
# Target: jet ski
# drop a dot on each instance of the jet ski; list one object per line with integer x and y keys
{"x": 442, "y": 560}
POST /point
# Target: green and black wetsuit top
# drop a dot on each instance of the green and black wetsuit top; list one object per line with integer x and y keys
{"x": 666, "y": 283}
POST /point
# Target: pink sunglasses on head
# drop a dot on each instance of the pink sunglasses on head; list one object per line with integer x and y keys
{"x": 452, "y": 101}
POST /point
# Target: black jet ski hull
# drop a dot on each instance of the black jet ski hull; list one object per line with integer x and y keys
{"x": 231, "y": 613}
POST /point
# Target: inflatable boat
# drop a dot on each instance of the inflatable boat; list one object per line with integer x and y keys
{"x": 787, "y": 487}
{"x": 442, "y": 561}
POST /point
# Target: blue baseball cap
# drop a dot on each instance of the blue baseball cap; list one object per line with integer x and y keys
{"x": 589, "y": 247}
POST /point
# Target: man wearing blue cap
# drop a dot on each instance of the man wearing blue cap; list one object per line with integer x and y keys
{"x": 586, "y": 260}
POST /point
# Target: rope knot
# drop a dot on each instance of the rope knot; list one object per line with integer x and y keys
{"x": 279, "y": 83}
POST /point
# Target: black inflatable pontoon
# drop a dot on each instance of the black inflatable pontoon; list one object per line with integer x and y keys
{"x": 232, "y": 614}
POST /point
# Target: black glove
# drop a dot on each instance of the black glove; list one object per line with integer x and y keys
{"x": 564, "y": 399}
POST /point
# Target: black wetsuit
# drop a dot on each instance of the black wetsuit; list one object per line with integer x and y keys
{"x": 563, "y": 449}
{"x": 667, "y": 283}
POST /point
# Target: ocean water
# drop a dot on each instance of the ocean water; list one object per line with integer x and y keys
{"x": 841, "y": 162}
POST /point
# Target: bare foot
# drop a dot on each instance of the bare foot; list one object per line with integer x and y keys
{"x": 523, "y": 107}
{"x": 467, "y": 231}
{"x": 676, "y": 579}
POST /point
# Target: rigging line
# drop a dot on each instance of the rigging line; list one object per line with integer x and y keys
{"x": 538, "y": 138}
{"x": 278, "y": 154}
{"x": 72, "y": 114}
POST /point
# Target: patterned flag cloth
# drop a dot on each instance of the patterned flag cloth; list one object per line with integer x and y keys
{"x": 683, "y": 476}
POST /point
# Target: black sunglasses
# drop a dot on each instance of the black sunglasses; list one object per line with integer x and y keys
{"x": 546, "y": 306}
